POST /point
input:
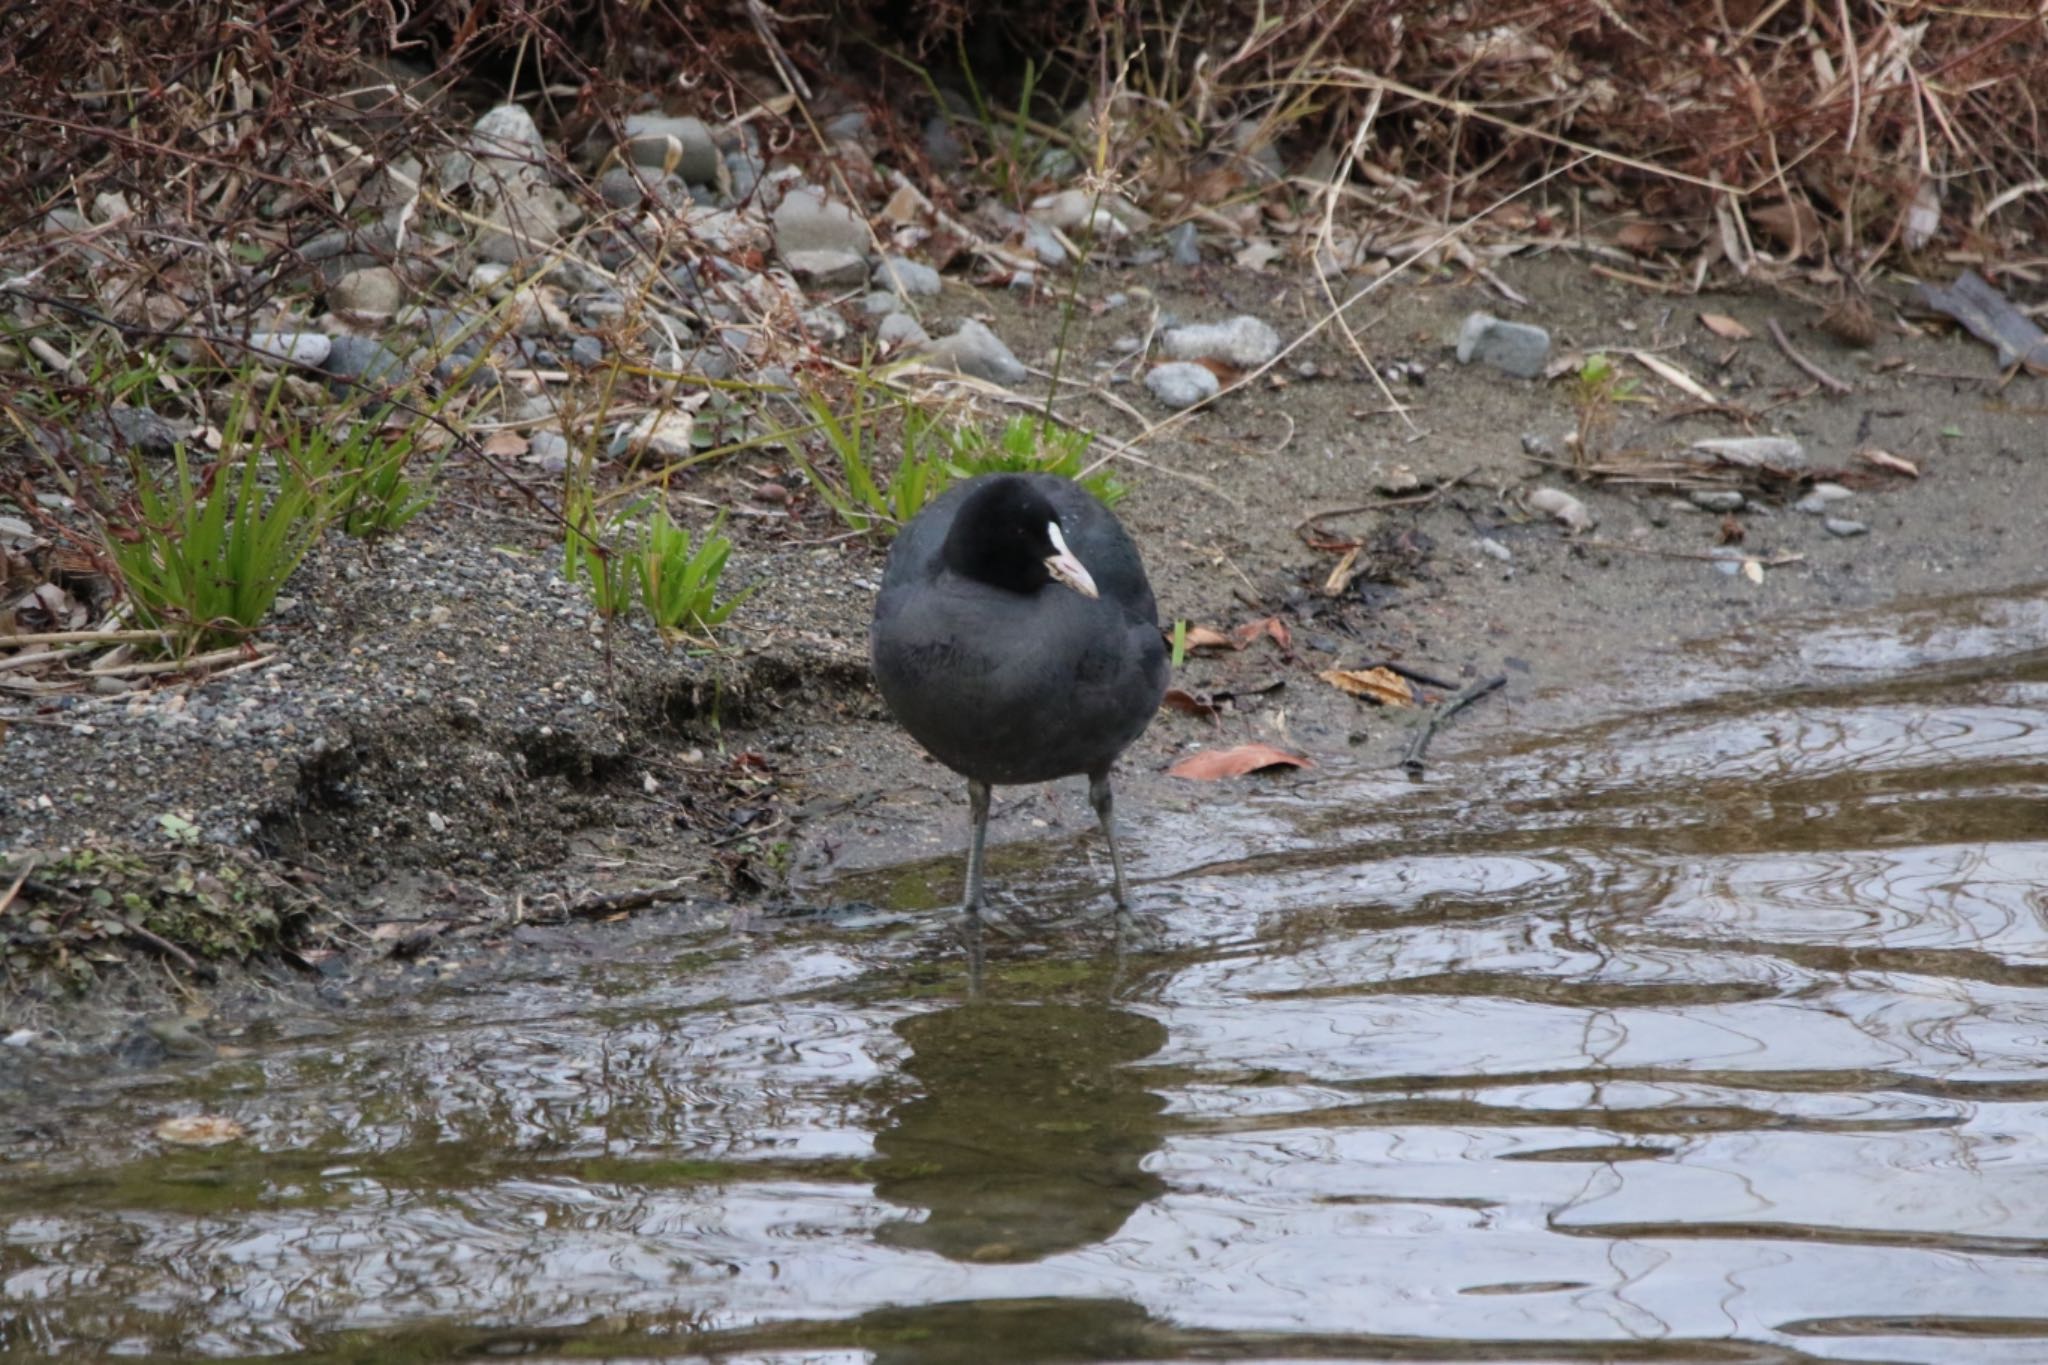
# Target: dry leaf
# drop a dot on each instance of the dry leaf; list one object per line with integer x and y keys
{"x": 1341, "y": 576}
{"x": 1647, "y": 239}
{"x": 1885, "y": 460}
{"x": 1792, "y": 224}
{"x": 1249, "y": 633}
{"x": 1203, "y": 637}
{"x": 1211, "y": 764}
{"x": 200, "y": 1130}
{"x": 1186, "y": 702}
{"x": 1753, "y": 570}
{"x": 1725, "y": 327}
{"x": 1381, "y": 685}
{"x": 507, "y": 444}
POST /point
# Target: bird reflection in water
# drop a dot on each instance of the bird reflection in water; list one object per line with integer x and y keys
{"x": 1030, "y": 1134}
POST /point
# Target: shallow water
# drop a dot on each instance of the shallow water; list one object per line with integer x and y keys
{"x": 1714, "y": 1031}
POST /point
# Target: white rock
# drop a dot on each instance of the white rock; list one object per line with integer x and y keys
{"x": 1562, "y": 507}
{"x": 1243, "y": 341}
{"x": 1181, "y": 384}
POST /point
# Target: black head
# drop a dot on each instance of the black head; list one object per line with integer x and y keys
{"x": 1007, "y": 535}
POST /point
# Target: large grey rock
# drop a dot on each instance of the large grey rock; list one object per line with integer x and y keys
{"x": 828, "y": 269}
{"x": 907, "y": 277}
{"x": 1243, "y": 341}
{"x": 899, "y": 330}
{"x": 807, "y": 221}
{"x": 679, "y": 146}
{"x": 504, "y": 164}
{"x": 1182, "y": 384}
{"x": 974, "y": 350}
{"x": 1517, "y": 348}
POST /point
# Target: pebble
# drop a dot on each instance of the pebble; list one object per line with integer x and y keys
{"x": 680, "y": 146}
{"x": 1184, "y": 245}
{"x": 1243, "y": 341}
{"x": 294, "y": 348}
{"x": 362, "y": 358}
{"x": 1844, "y": 526}
{"x": 880, "y": 304}
{"x": 829, "y": 269}
{"x": 901, "y": 329}
{"x": 1042, "y": 242}
{"x": 1716, "y": 499}
{"x": 974, "y": 350}
{"x": 1180, "y": 384}
{"x": 1821, "y": 497}
{"x": 1517, "y": 348}
{"x": 942, "y": 145}
{"x": 1489, "y": 546}
{"x": 908, "y": 277}
{"x": 586, "y": 352}
{"x": 806, "y": 220}
{"x": 369, "y": 296}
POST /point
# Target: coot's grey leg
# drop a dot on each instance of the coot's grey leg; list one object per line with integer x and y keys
{"x": 1100, "y": 798}
{"x": 977, "y": 810}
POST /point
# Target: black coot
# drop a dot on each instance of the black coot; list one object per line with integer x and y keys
{"x": 1016, "y": 638}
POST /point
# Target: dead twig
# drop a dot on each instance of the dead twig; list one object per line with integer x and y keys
{"x": 1813, "y": 371}
{"x": 1414, "y": 760}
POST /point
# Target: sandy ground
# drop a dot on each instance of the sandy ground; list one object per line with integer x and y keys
{"x": 450, "y": 748}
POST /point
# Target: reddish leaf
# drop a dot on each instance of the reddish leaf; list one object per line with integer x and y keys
{"x": 1249, "y": 633}
{"x": 1202, "y": 637}
{"x": 1725, "y": 327}
{"x": 1212, "y": 764}
{"x": 1180, "y": 699}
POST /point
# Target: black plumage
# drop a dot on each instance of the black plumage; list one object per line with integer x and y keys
{"x": 1016, "y": 638}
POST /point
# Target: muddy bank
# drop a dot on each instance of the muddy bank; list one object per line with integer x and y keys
{"x": 448, "y": 746}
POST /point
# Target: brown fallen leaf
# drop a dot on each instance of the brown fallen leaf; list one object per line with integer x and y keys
{"x": 1885, "y": 460}
{"x": 1341, "y": 576}
{"x": 1182, "y": 700}
{"x": 507, "y": 444}
{"x": 1211, "y": 764}
{"x": 1381, "y": 685}
{"x": 1205, "y": 637}
{"x": 1725, "y": 327}
{"x": 1647, "y": 239}
{"x": 1249, "y": 634}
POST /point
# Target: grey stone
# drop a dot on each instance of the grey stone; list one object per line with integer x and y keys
{"x": 363, "y": 358}
{"x": 1042, "y": 242}
{"x": 852, "y": 124}
{"x": 293, "y": 348}
{"x": 744, "y": 170}
{"x": 1820, "y": 498}
{"x": 1243, "y": 341}
{"x": 908, "y": 277}
{"x": 1716, "y": 499}
{"x": 974, "y": 350}
{"x": 1517, "y": 348}
{"x": 1179, "y": 384}
{"x": 679, "y": 146}
{"x": 1843, "y": 526}
{"x": 942, "y": 146}
{"x": 370, "y": 295}
{"x": 586, "y": 352}
{"x": 145, "y": 430}
{"x": 1185, "y": 245}
{"x": 708, "y": 362}
{"x": 825, "y": 324}
{"x": 901, "y": 329}
{"x": 827, "y": 269}
{"x": 880, "y": 304}
{"x": 807, "y": 221}
{"x": 1494, "y": 549}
